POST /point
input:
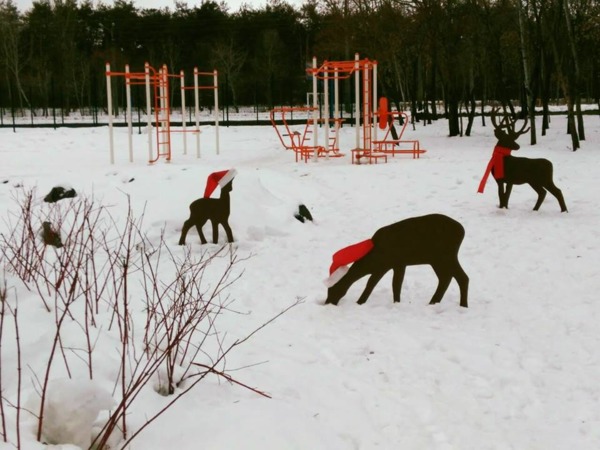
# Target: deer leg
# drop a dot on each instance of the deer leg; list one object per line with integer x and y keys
{"x": 501, "y": 194}
{"x": 228, "y": 231}
{"x": 184, "y": 231}
{"x": 373, "y": 280}
{"x": 507, "y": 194}
{"x": 558, "y": 194}
{"x": 444, "y": 277}
{"x": 397, "y": 282}
{"x": 215, "y": 231}
{"x": 200, "y": 233}
{"x": 504, "y": 193}
{"x": 541, "y": 195}
{"x": 463, "y": 283}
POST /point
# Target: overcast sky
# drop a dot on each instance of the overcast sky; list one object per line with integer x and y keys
{"x": 234, "y": 5}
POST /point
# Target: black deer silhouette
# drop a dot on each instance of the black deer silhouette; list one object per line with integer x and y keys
{"x": 509, "y": 170}
{"x": 214, "y": 209}
{"x": 433, "y": 239}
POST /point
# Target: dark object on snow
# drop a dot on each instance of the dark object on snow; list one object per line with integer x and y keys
{"x": 433, "y": 239}
{"x": 511, "y": 170}
{"x": 50, "y": 236}
{"x": 393, "y": 131}
{"x": 58, "y": 193}
{"x": 4, "y": 181}
{"x": 303, "y": 214}
{"x": 214, "y": 209}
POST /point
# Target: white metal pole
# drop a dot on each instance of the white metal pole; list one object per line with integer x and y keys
{"x": 216, "y": 85}
{"x": 161, "y": 112}
{"x": 183, "y": 114}
{"x": 357, "y": 99}
{"x": 336, "y": 108}
{"x": 375, "y": 100}
{"x": 167, "y": 110}
{"x": 366, "y": 111}
{"x": 326, "y": 108}
{"x": 129, "y": 119}
{"x": 197, "y": 111}
{"x": 315, "y": 112}
{"x": 111, "y": 145}
{"x": 148, "y": 109}
{"x": 163, "y": 108}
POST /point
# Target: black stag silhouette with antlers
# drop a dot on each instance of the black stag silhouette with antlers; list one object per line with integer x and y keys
{"x": 509, "y": 170}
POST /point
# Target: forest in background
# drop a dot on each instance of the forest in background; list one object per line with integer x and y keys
{"x": 440, "y": 57}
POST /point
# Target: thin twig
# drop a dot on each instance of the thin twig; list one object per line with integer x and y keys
{"x": 230, "y": 379}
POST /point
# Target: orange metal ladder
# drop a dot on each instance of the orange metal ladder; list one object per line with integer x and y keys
{"x": 162, "y": 114}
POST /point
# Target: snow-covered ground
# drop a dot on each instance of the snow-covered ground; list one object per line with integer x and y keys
{"x": 520, "y": 368}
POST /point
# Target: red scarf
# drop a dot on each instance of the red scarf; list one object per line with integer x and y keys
{"x": 496, "y": 163}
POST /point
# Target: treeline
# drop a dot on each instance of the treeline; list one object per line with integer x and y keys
{"x": 459, "y": 52}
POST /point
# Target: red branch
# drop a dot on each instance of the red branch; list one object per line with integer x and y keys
{"x": 231, "y": 379}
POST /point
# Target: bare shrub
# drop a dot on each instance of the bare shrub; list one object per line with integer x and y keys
{"x": 106, "y": 269}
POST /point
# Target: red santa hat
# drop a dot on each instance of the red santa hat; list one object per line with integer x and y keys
{"x": 346, "y": 256}
{"x": 218, "y": 179}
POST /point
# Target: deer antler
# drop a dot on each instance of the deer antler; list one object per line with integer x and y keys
{"x": 505, "y": 130}
{"x": 494, "y": 122}
{"x": 493, "y": 117}
{"x": 508, "y": 123}
{"x": 523, "y": 130}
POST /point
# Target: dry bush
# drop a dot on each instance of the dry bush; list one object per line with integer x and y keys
{"x": 105, "y": 269}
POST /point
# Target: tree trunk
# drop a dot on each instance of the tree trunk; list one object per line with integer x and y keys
{"x": 453, "y": 122}
{"x": 574, "y": 81}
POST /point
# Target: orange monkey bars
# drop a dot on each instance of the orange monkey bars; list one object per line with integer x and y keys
{"x": 158, "y": 106}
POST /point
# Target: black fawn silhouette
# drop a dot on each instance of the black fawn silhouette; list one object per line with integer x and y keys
{"x": 433, "y": 239}
{"x": 214, "y": 209}
{"x": 517, "y": 170}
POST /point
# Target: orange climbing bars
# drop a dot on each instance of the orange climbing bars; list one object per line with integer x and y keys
{"x": 158, "y": 106}
{"x": 365, "y": 74}
{"x": 158, "y": 82}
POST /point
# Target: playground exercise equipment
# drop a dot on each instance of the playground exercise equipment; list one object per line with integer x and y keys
{"x": 301, "y": 142}
{"x": 306, "y": 145}
{"x": 367, "y": 144}
{"x": 392, "y": 142}
{"x": 158, "y": 109}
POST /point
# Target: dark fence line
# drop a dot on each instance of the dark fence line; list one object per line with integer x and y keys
{"x": 144, "y": 124}
{"x": 227, "y": 118}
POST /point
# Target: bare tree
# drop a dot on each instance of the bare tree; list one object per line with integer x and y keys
{"x": 271, "y": 49}
{"x": 229, "y": 61}
{"x": 10, "y": 29}
{"x": 525, "y": 57}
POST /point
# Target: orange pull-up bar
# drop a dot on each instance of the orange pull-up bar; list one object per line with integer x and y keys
{"x": 365, "y": 101}
{"x": 159, "y": 81}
